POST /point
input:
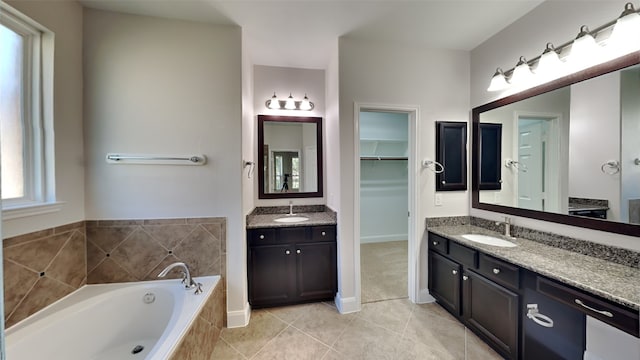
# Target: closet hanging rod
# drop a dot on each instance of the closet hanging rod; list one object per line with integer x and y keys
{"x": 383, "y": 158}
{"x": 156, "y": 159}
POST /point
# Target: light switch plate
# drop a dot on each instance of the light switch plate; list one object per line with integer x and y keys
{"x": 437, "y": 200}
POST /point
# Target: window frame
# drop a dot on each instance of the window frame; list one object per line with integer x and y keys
{"x": 37, "y": 117}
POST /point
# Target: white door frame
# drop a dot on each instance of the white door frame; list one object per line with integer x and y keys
{"x": 413, "y": 166}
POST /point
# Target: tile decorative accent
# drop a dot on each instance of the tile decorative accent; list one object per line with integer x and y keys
{"x": 136, "y": 250}
{"x": 605, "y": 252}
{"x": 202, "y": 337}
{"x": 581, "y": 202}
{"x": 42, "y": 267}
{"x": 271, "y": 210}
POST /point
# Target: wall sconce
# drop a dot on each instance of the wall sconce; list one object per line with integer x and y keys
{"x": 582, "y": 52}
{"x": 289, "y": 103}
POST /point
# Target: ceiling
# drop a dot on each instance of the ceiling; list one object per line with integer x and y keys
{"x": 302, "y": 33}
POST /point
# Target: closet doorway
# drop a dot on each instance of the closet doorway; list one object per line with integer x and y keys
{"x": 384, "y": 205}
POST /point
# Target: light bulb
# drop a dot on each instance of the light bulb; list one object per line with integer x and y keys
{"x": 522, "y": 75}
{"x": 290, "y": 104}
{"x": 624, "y": 36}
{"x": 274, "y": 103}
{"x": 305, "y": 104}
{"x": 584, "y": 50}
{"x": 549, "y": 66}
{"x": 498, "y": 81}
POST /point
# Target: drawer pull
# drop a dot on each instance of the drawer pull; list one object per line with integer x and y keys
{"x": 605, "y": 313}
{"x": 496, "y": 271}
{"x": 454, "y": 272}
{"x": 435, "y": 243}
{"x": 261, "y": 237}
{"x": 287, "y": 252}
{"x": 298, "y": 251}
{"x": 465, "y": 277}
{"x": 324, "y": 233}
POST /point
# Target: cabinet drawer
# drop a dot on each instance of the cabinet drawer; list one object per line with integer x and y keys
{"x": 613, "y": 314}
{"x": 323, "y": 233}
{"x": 262, "y": 237}
{"x": 499, "y": 271}
{"x": 438, "y": 243}
{"x": 463, "y": 254}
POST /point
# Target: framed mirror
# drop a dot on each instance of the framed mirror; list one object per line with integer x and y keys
{"x": 289, "y": 157}
{"x": 569, "y": 150}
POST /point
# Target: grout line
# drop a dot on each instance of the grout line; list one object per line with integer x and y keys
{"x": 273, "y": 338}
{"x": 231, "y": 346}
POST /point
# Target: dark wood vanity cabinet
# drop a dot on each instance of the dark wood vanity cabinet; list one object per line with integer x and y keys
{"x": 291, "y": 265}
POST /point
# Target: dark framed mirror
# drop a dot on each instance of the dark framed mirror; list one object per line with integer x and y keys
{"x": 565, "y": 157}
{"x": 451, "y": 153}
{"x": 289, "y": 157}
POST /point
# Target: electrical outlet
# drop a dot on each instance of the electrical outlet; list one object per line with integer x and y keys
{"x": 437, "y": 200}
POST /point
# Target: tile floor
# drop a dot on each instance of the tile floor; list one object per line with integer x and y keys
{"x": 384, "y": 270}
{"x": 392, "y": 329}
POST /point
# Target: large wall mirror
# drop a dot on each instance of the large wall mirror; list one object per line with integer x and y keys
{"x": 289, "y": 157}
{"x": 570, "y": 150}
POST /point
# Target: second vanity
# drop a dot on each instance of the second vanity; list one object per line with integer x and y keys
{"x": 529, "y": 301}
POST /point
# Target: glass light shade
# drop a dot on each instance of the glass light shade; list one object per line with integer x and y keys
{"x": 625, "y": 36}
{"x": 274, "y": 103}
{"x": 522, "y": 75}
{"x": 549, "y": 66}
{"x": 498, "y": 81}
{"x": 290, "y": 104}
{"x": 305, "y": 104}
{"x": 584, "y": 51}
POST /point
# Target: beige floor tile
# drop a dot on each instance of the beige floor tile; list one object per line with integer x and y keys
{"x": 478, "y": 349}
{"x": 437, "y": 332}
{"x": 364, "y": 340}
{"x": 417, "y": 350}
{"x": 226, "y": 352}
{"x": 250, "y": 339}
{"x": 436, "y": 310}
{"x": 323, "y": 322}
{"x": 289, "y": 314}
{"x": 392, "y": 314}
{"x": 292, "y": 344}
{"x": 334, "y": 355}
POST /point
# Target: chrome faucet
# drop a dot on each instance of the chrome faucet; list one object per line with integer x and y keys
{"x": 507, "y": 227}
{"x": 187, "y": 280}
{"x": 290, "y": 209}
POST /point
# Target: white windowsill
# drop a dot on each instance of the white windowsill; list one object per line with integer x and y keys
{"x": 31, "y": 210}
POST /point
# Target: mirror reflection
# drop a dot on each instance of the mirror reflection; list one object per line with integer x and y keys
{"x": 290, "y": 156}
{"x": 572, "y": 150}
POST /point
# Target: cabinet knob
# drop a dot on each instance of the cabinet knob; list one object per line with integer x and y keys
{"x": 435, "y": 243}
{"x": 261, "y": 237}
{"x": 454, "y": 272}
{"x": 324, "y": 233}
{"x": 298, "y": 251}
{"x": 444, "y": 182}
{"x": 496, "y": 271}
{"x": 465, "y": 277}
{"x": 287, "y": 252}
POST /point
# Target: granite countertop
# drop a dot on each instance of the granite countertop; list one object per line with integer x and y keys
{"x": 580, "y": 207}
{"x": 256, "y": 221}
{"x": 612, "y": 281}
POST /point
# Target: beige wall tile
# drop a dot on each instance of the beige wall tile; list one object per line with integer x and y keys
{"x": 109, "y": 272}
{"x": 18, "y": 281}
{"x": 107, "y": 238}
{"x": 12, "y": 241}
{"x": 94, "y": 256}
{"x": 70, "y": 266}
{"x": 169, "y": 236}
{"x": 138, "y": 254}
{"x": 37, "y": 255}
{"x": 44, "y": 292}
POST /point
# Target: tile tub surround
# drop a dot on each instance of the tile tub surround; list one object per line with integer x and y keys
{"x": 263, "y": 217}
{"x": 202, "y": 337}
{"x": 605, "y": 252}
{"x": 42, "y": 267}
{"x": 609, "y": 280}
{"x": 136, "y": 250}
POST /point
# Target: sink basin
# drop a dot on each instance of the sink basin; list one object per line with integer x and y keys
{"x": 489, "y": 240}
{"x": 291, "y": 219}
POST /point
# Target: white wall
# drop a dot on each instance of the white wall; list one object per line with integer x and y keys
{"x": 595, "y": 139}
{"x": 630, "y": 109}
{"x": 64, "y": 18}
{"x": 283, "y": 81}
{"x": 158, "y": 86}
{"x": 526, "y": 37}
{"x": 394, "y": 74}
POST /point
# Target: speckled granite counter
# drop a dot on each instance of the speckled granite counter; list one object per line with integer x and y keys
{"x": 264, "y": 219}
{"x": 609, "y": 280}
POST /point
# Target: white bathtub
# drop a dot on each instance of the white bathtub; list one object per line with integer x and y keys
{"x": 106, "y": 322}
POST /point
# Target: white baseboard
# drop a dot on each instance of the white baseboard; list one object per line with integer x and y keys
{"x": 239, "y": 318}
{"x": 347, "y": 305}
{"x": 424, "y": 297}
{"x": 383, "y": 238}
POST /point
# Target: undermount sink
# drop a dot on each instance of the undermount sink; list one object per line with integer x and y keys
{"x": 489, "y": 240}
{"x": 291, "y": 219}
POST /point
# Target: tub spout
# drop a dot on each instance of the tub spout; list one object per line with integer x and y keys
{"x": 187, "y": 280}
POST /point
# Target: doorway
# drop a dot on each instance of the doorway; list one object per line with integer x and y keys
{"x": 384, "y": 184}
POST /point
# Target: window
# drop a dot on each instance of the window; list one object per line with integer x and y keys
{"x": 26, "y": 113}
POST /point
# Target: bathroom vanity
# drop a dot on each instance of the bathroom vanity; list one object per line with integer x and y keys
{"x": 290, "y": 260}
{"x": 529, "y": 301}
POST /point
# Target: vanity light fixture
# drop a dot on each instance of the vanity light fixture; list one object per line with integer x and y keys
{"x": 522, "y": 75}
{"x": 289, "y": 104}
{"x": 589, "y": 48}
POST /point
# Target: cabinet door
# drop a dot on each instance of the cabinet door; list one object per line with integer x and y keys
{"x": 490, "y": 156}
{"x": 444, "y": 282}
{"x": 451, "y": 152}
{"x": 492, "y": 311}
{"x": 316, "y": 270}
{"x": 271, "y": 275}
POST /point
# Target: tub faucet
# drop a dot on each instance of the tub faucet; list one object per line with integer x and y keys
{"x": 507, "y": 227}
{"x": 187, "y": 280}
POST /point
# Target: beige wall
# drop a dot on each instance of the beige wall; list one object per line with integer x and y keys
{"x": 64, "y": 18}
